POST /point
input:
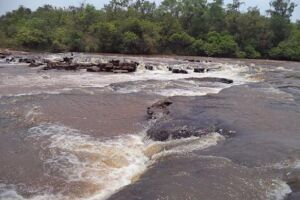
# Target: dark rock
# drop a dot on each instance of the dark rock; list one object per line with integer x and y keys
{"x": 179, "y": 71}
{"x": 212, "y": 79}
{"x": 294, "y": 196}
{"x": 27, "y": 60}
{"x": 93, "y": 69}
{"x": 68, "y": 59}
{"x": 8, "y": 60}
{"x": 129, "y": 66}
{"x": 175, "y": 121}
{"x": 159, "y": 109}
{"x": 35, "y": 64}
{"x": 120, "y": 71}
{"x": 178, "y": 132}
{"x": 149, "y": 67}
{"x": 4, "y": 54}
{"x": 192, "y": 60}
{"x": 115, "y": 62}
{"x": 170, "y": 68}
{"x": 199, "y": 70}
{"x": 106, "y": 67}
{"x": 62, "y": 66}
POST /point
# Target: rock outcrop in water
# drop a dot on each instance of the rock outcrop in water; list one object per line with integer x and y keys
{"x": 4, "y": 54}
{"x": 67, "y": 66}
{"x": 159, "y": 109}
{"x": 112, "y": 66}
{"x": 69, "y": 63}
{"x": 199, "y": 70}
{"x": 179, "y": 71}
{"x": 177, "y": 126}
{"x": 211, "y": 79}
{"x": 149, "y": 67}
{"x": 171, "y": 131}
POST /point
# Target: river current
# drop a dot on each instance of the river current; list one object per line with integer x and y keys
{"x": 80, "y": 135}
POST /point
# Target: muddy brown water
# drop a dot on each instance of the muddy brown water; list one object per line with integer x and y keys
{"x": 75, "y": 135}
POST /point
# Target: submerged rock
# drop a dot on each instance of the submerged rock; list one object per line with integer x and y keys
{"x": 65, "y": 66}
{"x": 120, "y": 71}
{"x": 68, "y": 59}
{"x": 179, "y": 71}
{"x": 149, "y": 67}
{"x": 178, "y": 132}
{"x": 115, "y": 62}
{"x": 93, "y": 69}
{"x": 199, "y": 70}
{"x": 192, "y": 60}
{"x": 159, "y": 109}
{"x": 113, "y": 66}
{"x": 35, "y": 64}
{"x": 27, "y": 60}
{"x": 12, "y": 59}
{"x": 294, "y": 196}
{"x": 178, "y": 124}
{"x": 4, "y": 54}
{"x": 212, "y": 79}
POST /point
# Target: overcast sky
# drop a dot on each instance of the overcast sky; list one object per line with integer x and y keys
{"x": 8, "y": 5}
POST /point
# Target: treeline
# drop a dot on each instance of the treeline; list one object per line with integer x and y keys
{"x": 185, "y": 27}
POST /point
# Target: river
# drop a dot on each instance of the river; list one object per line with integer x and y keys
{"x": 79, "y": 135}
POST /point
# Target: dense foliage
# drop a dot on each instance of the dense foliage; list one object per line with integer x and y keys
{"x": 186, "y": 27}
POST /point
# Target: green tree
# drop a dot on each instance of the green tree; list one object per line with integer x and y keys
{"x": 191, "y": 27}
{"x": 198, "y": 47}
{"x": 130, "y": 43}
{"x": 216, "y": 16}
{"x": 31, "y": 37}
{"x": 281, "y": 12}
{"x": 288, "y": 49}
{"x": 193, "y": 17}
{"x": 106, "y": 36}
{"x": 220, "y": 45}
{"x": 179, "y": 42}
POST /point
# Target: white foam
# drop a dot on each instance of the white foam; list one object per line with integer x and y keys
{"x": 192, "y": 92}
{"x": 289, "y": 164}
{"x": 53, "y": 80}
{"x": 187, "y": 145}
{"x": 8, "y": 192}
{"x": 110, "y": 164}
{"x": 107, "y": 164}
{"x": 278, "y": 190}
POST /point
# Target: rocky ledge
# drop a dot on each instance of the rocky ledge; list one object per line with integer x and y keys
{"x": 115, "y": 66}
{"x": 176, "y": 126}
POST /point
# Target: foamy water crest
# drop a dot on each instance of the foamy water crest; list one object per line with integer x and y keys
{"x": 104, "y": 165}
{"x": 53, "y": 81}
{"x": 278, "y": 190}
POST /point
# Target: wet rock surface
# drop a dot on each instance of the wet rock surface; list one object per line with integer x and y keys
{"x": 199, "y": 70}
{"x": 117, "y": 67}
{"x": 294, "y": 196}
{"x": 211, "y": 79}
{"x": 159, "y": 109}
{"x": 149, "y": 67}
{"x": 257, "y": 122}
{"x": 69, "y": 64}
{"x": 179, "y": 71}
{"x": 195, "y": 177}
